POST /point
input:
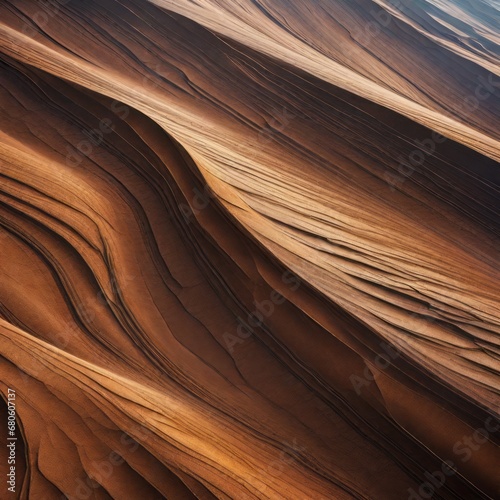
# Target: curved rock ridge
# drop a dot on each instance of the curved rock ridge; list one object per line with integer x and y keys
{"x": 250, "y": 249}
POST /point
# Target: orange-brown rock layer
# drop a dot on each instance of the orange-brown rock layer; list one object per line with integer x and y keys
{"x": 250, "y": 248}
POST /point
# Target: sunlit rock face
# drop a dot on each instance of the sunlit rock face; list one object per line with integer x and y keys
{"x": 249, "y": 249}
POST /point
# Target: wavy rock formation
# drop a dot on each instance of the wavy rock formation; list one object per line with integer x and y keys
{"x": 250, "y": 249}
